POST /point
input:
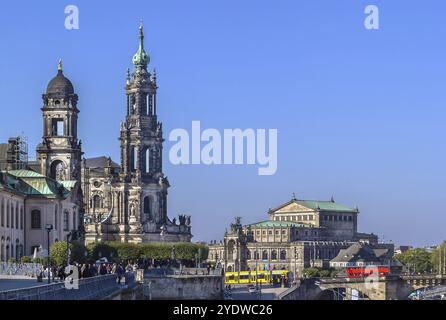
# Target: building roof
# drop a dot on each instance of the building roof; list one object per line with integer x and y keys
{"x": 31, "y": 183}
{"x": 100, "y": 162}
{"x": 60, "y": 85}
{"x": 359, "y": 252}
{"x": 277, "y": 224}
{"x": 319, "y": 205}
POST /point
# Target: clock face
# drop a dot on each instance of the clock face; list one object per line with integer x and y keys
{"x": 97, "y": 184}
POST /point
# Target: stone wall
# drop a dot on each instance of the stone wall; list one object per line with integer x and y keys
{"x": 183, "y": 287}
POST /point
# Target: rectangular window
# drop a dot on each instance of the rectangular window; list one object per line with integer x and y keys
{"x": 310, "y": 217}
{"x": 35, "y": 219}
{"x": 299, "y": 218}
{"x": 305, "y": 218}
{"x": 66, "y": 221}
{"x": 58, "y": 128}
{"x": 2, "y": 215}
{"x": 21, "y": 218}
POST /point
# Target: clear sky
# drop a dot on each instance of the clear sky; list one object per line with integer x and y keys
{"x": 360, "y": 114}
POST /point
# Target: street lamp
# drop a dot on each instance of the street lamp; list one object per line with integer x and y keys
{"x": 48, "y": 228}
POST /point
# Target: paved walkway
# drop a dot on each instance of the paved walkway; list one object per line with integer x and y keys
{"x": 268, "y": 293}
{"x": 18, "y": 282}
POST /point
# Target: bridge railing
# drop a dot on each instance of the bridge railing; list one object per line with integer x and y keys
{"x": 20, "y": 269}
{"x": 90, "y": 288}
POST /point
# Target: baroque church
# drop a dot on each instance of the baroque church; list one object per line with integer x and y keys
{"x": 128, "y": 202}
{"x": 100, "y": 200}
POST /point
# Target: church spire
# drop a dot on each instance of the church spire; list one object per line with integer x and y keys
{"x": 141, "y": 58}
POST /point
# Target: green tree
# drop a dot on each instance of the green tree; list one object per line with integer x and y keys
{"x": 437, "y": 254}
{"x": 25, "y": 259}
{"x": 311, "y": 272}
{"x": 417, "y": 260}
{"x": 58, "y": 252}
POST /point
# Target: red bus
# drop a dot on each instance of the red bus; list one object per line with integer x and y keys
{"x": 362, "y": 272}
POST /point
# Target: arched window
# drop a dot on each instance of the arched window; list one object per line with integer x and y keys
{"x": 97, "y": 203}
{"x": 35, "y": 219}
{"x": 133, "y": 158}
{"x": 248, "y": 254}
{"x": 147, "y": 161}
{"x": 265, "y": 255}
{"x": 256, "y": 255}
{"x": 57, "y": 170}
{"x": 66, "y": 221}
{"x": 147, "y": 207}
{"x": 231, "y": 250}
{"x": 274, "y": 255}
{"x": 282, "y": 254}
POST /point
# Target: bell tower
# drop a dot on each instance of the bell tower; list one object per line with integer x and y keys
{"x": 141, "y": 139}
{"x": 60, "y": 152}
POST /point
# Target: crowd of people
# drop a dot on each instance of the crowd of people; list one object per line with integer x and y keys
{"x": 88, "y": 270}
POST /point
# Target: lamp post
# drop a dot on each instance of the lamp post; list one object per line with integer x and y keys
{"x": 48, "y": 228}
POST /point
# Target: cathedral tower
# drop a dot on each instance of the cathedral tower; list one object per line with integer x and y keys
{"x": 60, "y": 152}
{"x": 141, "y": 141}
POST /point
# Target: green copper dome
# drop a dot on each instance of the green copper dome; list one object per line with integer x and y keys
{"x": 141, "y": 58}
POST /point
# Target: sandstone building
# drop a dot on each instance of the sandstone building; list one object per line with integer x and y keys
{"x": 298, "y": 234}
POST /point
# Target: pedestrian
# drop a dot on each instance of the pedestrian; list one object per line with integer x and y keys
{"x": 103, "y": 270}
{"x": 119, "y": 271}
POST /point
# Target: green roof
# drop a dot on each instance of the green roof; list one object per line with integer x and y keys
{"x": 324, "y": 205}
{"x": 69, "y": 184}
{"x": 33, "y": 184}
{"x": 277, "y": 224}
{"x": 330, "y": 205}
{"x": 25, "y": 174}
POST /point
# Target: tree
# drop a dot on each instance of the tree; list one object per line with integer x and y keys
{"x": 417, "y": 260}
{"x": 59, "y": 253}
{"x": 311, "y": 272}
{"x": 25, "y": 259}
{"x": 437, "y": 254}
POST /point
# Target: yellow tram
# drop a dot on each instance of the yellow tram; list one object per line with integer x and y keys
{"x": 263, "y": 276}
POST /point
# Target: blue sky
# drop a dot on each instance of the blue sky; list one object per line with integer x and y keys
{"x": 360, "y": 114}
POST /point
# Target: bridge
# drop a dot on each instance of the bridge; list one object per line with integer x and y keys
{"x": 100, "y": 287}
{"x": 391, "y": 287}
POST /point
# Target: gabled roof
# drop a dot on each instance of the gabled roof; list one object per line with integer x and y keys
{"x": 359, "y": 252}
{"x": 277, "y": 224}
{"x": 318, "y": 205}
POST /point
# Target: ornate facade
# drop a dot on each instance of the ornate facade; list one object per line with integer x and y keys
{"x": 128, "y": 202}
{"x": 299, "y": 234}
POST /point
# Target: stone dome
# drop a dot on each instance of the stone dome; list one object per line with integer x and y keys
{"x": 60, "y": 85}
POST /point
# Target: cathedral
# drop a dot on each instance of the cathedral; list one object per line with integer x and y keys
{"x": 107, "y": 201}
{"x": 128, "y": 202}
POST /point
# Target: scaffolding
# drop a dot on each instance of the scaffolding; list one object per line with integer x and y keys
{"x": 17, "y": 154}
